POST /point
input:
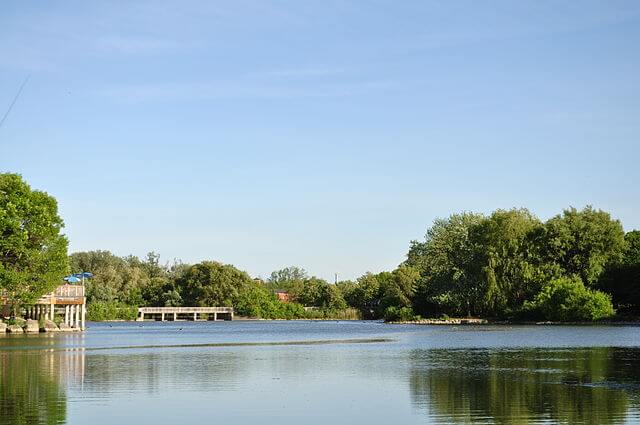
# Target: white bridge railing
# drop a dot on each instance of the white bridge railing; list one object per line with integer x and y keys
{"x": 155, "y": 310}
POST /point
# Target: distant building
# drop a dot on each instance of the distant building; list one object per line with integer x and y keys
{"x": 283, "y": 296}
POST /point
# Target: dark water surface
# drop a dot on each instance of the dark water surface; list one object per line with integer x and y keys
{"x": 321, "y": 373}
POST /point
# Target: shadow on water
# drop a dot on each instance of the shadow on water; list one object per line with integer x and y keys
{"x": 584, "y": 385}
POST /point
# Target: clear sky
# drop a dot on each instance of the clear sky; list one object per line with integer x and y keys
{"x": 324, "y": 134}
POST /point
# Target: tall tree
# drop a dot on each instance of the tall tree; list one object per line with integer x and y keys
{"x": 210, "y": 283}
{"x": 583, "y": 242}
{"x": 291, "y": 279}
{"x": 622, "y": 279}
{"x": 33, "y": 250}
{"x": 450, "y": 280}
{"x": 506, "y": 250}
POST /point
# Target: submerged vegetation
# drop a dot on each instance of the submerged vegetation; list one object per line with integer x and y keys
{"x": 577, "y": 266}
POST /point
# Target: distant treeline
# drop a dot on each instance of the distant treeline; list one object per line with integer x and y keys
{"x": 577, "y": 266}
{"x": 120, "y": 283}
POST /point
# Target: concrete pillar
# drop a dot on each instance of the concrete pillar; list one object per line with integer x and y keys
{"x": 175, "y": 316}
{"x": 215, "y": 316}
{"x": 142, "y": 316}
{"x": 77, "y": 319}
{"x": 195, "y": 316}
{"x": 84, "y": 316}
{"x": 53, "y": 312}
{"x": 72, "y": 311}
{"x": 66, "y": 314}
{"x": 162, "y": 317}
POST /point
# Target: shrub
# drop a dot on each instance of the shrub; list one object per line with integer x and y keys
{"x": 102, "y": 310}
{"x": 567, "y": 299}
{"x": 258, "y": 301}
{"x": 399, "y": 314}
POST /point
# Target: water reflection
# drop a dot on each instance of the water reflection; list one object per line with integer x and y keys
{"x": 592, "y": 386}
{"x": 156, "y": 371}
{"x": 33, "y": 385}
{"x": 423, "y": 375}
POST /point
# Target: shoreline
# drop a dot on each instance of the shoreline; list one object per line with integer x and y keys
{"x": 438, "y": 322}
{"x": 477, "y": 322}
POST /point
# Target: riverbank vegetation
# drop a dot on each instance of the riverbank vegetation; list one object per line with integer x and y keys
{"x": 509, "y": 265}
{"x": 577, "y": 266}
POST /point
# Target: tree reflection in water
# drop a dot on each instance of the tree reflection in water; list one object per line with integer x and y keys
{"x": 585, "y": 385}
{"x": 33, "y": 385}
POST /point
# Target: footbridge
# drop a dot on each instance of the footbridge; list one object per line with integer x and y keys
{"x": 184, "y": 313}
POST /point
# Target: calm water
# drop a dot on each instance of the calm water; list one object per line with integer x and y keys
{"x": 321, "y": 373}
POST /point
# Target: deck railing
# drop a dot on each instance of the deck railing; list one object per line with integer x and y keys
{"x": 63, "y": 293}
{"x": 178, "y": 310}
{"x": 68, "y": 291}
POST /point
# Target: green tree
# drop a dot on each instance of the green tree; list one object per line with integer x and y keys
{"x": 506, "y": 251}
{"x": 450, "y": 276}
{"x": 583, "y": 242}
{"x": 290, "y": 279}
{"x": 365, "y": 295}
{"x": 622, "y": 279}
{"x": 313, "y": 292}
{"x": 210, "y": 283}
{"x": 398, "y": 288}
{"x": 567, "y": 299}
{"x": 33, "y": 251}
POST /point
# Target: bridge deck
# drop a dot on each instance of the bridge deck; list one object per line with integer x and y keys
{"x": 185, "y": 313}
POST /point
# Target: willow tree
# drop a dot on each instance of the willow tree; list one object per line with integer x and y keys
{"x": 450, "y": 276}
{"x": 584, "y": 243}
{"x": 33, "y": 251}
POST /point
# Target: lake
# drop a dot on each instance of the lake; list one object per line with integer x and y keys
{"x": 321, "y": 372}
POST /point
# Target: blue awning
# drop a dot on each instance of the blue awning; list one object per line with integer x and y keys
{"x": 72, "y": 279}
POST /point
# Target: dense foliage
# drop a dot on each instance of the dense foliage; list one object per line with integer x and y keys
{"x": 504, "y": 264}
{"x": 576, "y": 266}
{"x": 567, "y": 299}
{"x": 33, "y": 251}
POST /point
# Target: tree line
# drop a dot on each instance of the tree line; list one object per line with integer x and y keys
{"x": 577, "y": 266}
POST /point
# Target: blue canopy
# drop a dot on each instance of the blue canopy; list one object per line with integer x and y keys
{"x": 71, "y": 279}
{"x": 83, "y": 274}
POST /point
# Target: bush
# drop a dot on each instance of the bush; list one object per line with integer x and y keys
{"x": 258, "y": 301}
{"x": 567, "y": 299}
{"x": 399, "y": 314}
{"x": 100, "y": 310}
{"x": 334, "y": 314}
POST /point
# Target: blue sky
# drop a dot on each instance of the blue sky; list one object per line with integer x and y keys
{"x": 322, "y": 134}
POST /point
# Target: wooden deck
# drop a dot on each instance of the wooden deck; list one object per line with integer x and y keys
{"x": 64, "y": 295}
{"x": 68, "y": 301}
{"x": 185, "y": 313}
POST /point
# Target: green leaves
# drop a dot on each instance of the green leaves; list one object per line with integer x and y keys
{"x": 583, "y": 242}
{"x": 210, "y": 283}
{"x": 475, "y": 265}
{"x": 567, "y": 299}
{"x": 33, "y": 252}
